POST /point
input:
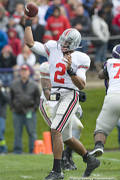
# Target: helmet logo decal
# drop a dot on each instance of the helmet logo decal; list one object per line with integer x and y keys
{"x": 67, "y": 32}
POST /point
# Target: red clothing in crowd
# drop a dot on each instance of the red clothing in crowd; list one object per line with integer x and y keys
{"x": 116, "y": 20}
{"x": 63, "y": 1}
{"x": 14, "y": 42}
{"x": 70, "y": 10}
{"x": 57, "y": 25}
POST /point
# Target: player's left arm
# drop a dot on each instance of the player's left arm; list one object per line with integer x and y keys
{"x": 103, "y": 73}
{"x": 77, "y": 80}
{"x": 45, "y": 79}
{"x": 46, "y": 86}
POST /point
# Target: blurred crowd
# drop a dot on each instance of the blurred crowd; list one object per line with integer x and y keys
{"x": 98, "y": 21}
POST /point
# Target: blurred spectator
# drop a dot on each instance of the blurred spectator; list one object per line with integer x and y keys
{"x": 14, "y": 42}
{"x": 107, "y": 7}
{"x": 118, "y": 127}
{"x": 24, "y": 95}
{"x": 88, "y": 6}
{"x": 116, "y": 7}
{"x": 63, "y": 1}
{"x": 108, "y": 11}
{"x": 3, "y": 19}
{"x": 19, "y": 29}
{"x": 63, "y": 12}
{"x": 51, "y": 8}
{"x": 116, "y": 24}
{"x": 26, "y": 57}
{"x": 4, "y": 3}
{"x": 57, "y": 23}
{"x": 12, "y": 4}
{"x": 115, "y": 30}
{"x": 3, "y": 106}
{"x": 97, "y": 5}
{"x": 3, "y": 39}
{"x": 42, "y": 11}
{"x": 101, "y": 31}
{"x": 70, "y": 6}
{"x": 19, "y": 12}
{"x": 37, "y": 30}
{"x": 7, "y": 61}
{"x": 83, "y": 24}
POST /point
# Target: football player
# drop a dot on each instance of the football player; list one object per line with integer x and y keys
{"x": 67, "y": 76}
{"x": 110, "y": 113}
{"x": 46, "y": 111}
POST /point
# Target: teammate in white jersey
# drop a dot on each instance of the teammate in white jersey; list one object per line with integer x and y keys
{"x": 110, "y": 113}
{"x": 67, "y": 75}
{"x": 46, "y": 111}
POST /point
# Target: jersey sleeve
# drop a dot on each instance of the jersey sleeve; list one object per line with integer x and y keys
{"x": 43, "y": 49}
{"x": 39, "y": 49}
{"x": 44, "y": 70}
{"x": 49, "y": 46}
{"x": 83, "y": 67}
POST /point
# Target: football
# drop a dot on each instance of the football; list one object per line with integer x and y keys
{"x": 31, "y": 9}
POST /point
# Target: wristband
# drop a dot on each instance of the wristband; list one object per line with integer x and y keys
{"x": 28, "y": 22}
{"x": 70, "y": 72}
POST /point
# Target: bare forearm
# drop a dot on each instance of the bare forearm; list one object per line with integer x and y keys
{"x": 47, "y": 93}
{"x": 78, "y": 82}
{"x": 101, "y": 74}
{"x": 46, "y": 85}
{"x": 29, "y": 37}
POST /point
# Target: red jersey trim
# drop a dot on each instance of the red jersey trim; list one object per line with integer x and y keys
{"x": 47, "y": 50}
{"x": 45, "y": 74}
{"x": 81, "y": 66}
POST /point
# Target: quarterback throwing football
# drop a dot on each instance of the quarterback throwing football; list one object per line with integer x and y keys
{"x": 67, "y": 75}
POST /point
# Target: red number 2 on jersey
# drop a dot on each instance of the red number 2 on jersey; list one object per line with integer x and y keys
{"x": 118, "y": 73}
{"x": 60, "y": 73}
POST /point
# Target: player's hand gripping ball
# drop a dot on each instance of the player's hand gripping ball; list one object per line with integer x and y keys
{"x": 67, "y": 59}
{"x": 31, "y": 9}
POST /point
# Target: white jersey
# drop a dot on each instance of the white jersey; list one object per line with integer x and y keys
{"x": 48, "y": 106}
{"x": 44, "y": 73}
{"x": 113, "y": 68}
{"x": 58, "y": 74}
{"x": 116, "y": 7}
{"x": 44, "y": 70}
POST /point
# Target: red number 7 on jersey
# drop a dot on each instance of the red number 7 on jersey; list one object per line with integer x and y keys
{"x": 118, "y": 72}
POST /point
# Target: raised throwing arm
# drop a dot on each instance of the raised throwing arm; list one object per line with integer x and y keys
{"x": 35, "y": 46}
